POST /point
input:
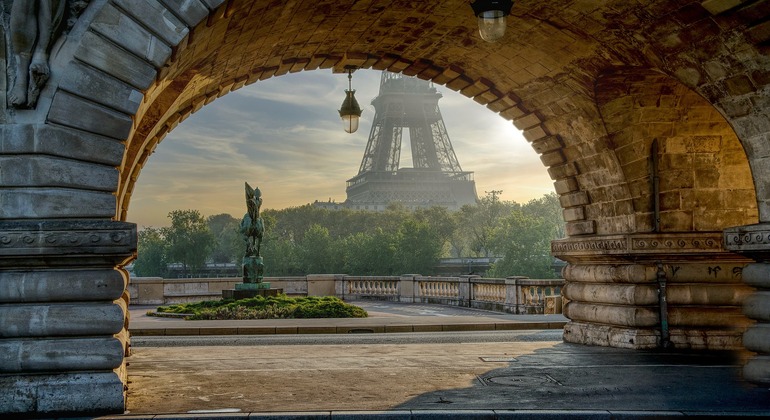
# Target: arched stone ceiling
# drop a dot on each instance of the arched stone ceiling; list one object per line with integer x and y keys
{"x": 541, "y": 75}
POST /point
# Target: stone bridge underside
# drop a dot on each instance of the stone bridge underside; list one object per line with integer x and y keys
{"x": 592, "y": 84}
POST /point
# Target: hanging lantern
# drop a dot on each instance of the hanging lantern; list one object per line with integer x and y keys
{"x": 350, "y": 111}
{"x": 491, "y": 16}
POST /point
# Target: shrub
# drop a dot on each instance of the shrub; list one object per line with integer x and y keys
{"x": 271, "y": 307}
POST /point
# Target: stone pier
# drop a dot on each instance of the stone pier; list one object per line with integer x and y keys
{"x": 63, "y": 315}
{"x": 612, "y": 291}
{"x": 754, "y": 241}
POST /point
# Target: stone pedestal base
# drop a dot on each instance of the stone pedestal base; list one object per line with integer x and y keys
{"x": 250, "y": 290}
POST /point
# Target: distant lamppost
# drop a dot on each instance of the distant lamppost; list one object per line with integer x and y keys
{"x": 350, "y": 112}
{"x": 491, "y": 16}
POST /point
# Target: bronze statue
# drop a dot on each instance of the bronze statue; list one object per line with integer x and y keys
{"x": 253, "y": 229}
{"x": 33, "y": 27}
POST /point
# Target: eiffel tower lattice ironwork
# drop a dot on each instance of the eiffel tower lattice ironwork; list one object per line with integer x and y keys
{"x": 436, "y": 177}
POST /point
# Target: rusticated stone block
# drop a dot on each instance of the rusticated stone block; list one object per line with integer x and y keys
{"x": 191, "y": 12}
{"x": 112, "y": 60}
{"x": 610, "y": 273}
{"x": 83, "y": 354}
{"x": 46, "y": 171}
{"x": 527, "y": 121}
{"x": 101, "y": 88}
{"x": 757, "y": 338}
{"x": 716, "y": 7}
{"x": 76, "y": 112}
{"x": 547, "y": 144}
{"x": 124, "y": 31}
{"x": 20, "y": 203}
{"x": 562, "y": 171}
{"x": 758, "y": 370}
{"x": 585, "y": 227}
{"x": 757, "y": 306}
{"x": 573, "y": 213}
{"x": 614, "y": 294}
{"x": 552, "y": 158}
{"x": 757, "y": 274}
{"x": 61, "y": 285}
{"x": 627, "y": 316}
{"x": 58, "y": 141}
{"x": 86, "y": 392}
{"x": 705, "y": 317}
{"x": 60, "y": 320}
{"x": 155, "y": 15}
{"x": 611, "y": 336}
{"x": 579, "y": 198}
{"x": 566, "y": 185}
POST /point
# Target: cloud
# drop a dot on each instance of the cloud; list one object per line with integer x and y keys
{"x": 285, "y": 136}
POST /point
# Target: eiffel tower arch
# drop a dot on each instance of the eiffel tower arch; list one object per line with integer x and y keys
{"x": 435, "y": 179}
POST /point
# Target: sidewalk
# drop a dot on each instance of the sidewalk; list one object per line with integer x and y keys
{"x": 531, "y": 376}
{"x": 384, "y": 317}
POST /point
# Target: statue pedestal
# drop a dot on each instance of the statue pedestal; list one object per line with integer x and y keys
{"x": 250, "y": 290}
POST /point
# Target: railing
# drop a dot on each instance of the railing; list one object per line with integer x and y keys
{"x": 518, "y": 295}
{"x": 363, "y": 287}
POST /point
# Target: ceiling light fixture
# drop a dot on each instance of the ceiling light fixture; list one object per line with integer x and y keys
{"x": 350, "y": 111}
{"x": 491, "y": 16}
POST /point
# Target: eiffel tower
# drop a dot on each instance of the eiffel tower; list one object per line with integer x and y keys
{"x": 436, "y": 178}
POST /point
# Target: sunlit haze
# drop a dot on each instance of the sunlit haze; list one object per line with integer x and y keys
{"x": 285, "y": 136}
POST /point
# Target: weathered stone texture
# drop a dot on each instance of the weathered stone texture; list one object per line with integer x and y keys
{"x": 56, "y": 141}
{"x": 63, "y": 315}
{"x": 704, "y": 182}
{"x": 18, "y": 355}
{"x": 61, "y": 285}
{"x": 101, "y": 88}
{"x": 112, "y": 24}
{"x": 612, "y": 301}
{"x": 81, "y": 114}
{"x": 36, "y": 203}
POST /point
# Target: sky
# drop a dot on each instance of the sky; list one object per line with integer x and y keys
{"x": 284, "y": 135}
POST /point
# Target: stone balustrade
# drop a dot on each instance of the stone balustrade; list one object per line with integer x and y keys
{"x": 518, "y": 295}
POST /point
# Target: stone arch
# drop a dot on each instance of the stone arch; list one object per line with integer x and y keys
{"x": 130, "y": 71}
{"x": 705, "y": 180}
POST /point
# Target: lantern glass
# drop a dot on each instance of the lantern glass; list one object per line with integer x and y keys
{"x": 350, "y": 123}
{"x": 492, "y": 25}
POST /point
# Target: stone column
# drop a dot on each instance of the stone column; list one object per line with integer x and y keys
{"x": 63, "y": 315}
{"x": 754, "y": 241}
{"x": 611, "y": 286}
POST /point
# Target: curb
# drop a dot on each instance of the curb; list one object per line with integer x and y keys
{"x": 443, "y": 415}
{"x": 345, "y": 329}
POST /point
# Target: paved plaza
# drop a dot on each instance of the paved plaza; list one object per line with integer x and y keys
{"x": 493, "y": 373}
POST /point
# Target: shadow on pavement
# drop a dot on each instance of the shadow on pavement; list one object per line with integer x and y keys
{"x": 575, "y": 377}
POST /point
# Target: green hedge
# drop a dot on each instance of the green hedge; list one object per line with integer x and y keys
{"x": 272, "y": 307}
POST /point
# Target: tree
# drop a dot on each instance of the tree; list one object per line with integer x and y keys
{"x": 189, "y": 239}
{"x": 228, "y": 241}
{"x": 476, "y": 223}
{"x": 524, "y": 241}
{"x": 549, "y": 208}
{"x": 318, "y": 252}
{"x": 419, "y": 247}
{"x": 369, "y": 254}
{"x": 151, "y": 254}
